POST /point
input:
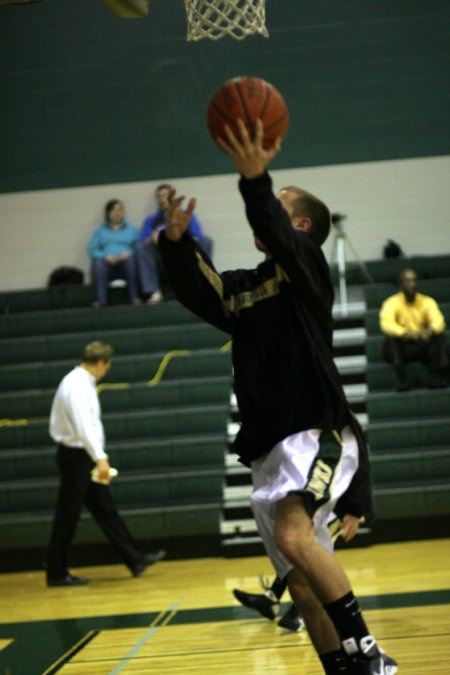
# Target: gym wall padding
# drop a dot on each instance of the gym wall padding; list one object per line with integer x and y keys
{"x": 92, "y": 99}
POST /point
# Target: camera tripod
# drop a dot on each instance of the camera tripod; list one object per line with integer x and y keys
{"x": 338, "y": 256}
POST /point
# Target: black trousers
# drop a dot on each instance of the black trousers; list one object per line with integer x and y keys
{"x": 76, "y": 490}
{"x": 432, "y": 352}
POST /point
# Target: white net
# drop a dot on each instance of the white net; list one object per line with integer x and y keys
{"x": 214, "y": 19}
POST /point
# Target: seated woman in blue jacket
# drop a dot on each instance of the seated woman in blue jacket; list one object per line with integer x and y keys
{"x": 111, "y": 249}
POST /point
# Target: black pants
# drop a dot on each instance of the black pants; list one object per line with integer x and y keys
{"x": 432, "y": 352}
{"x": 76, "y": 490}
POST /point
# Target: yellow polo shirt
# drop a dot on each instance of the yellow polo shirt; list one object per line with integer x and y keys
{"x": 397, "y": 316}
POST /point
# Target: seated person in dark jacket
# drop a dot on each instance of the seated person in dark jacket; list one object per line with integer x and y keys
{"x": 414, "y": 328}
{"x": 112, "y": 250}
{"x": 151, "y": 270}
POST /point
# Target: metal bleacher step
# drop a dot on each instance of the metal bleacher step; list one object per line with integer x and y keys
{"x": 237, "y": 494}
{"x": 244, "y": 526}
{"x": 349, "y": 337}
{"x": 356, "y": 364}
{"x": 354, "y": 310}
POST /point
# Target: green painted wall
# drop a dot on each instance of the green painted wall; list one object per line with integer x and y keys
{"x": 88, "y": 98}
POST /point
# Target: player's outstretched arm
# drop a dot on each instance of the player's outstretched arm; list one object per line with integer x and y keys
{"x": 177, "y": 220}
{"x": 250, "y": 156}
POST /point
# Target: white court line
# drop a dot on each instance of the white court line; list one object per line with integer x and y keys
{"x": 146, "y": 637}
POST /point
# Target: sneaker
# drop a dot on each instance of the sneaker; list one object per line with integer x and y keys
{"x": 369, "y": 659}
{"x": 155, "y": 298}
{"x": 292, "y": 620}
{"x": 260, "y": 602}
{"x": 378, "y": 665}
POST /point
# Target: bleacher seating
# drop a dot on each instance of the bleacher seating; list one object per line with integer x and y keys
{"x": 165, "y": 422}
{"x": 387, "y": 271}
{"x": 408, "y": 432}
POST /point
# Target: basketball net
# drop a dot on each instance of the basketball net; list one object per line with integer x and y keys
{"x": 214, "y": 19}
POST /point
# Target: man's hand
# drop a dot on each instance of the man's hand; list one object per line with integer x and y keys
{"x": 124, "y": 256}
{"x": 103, "y": 470}
{"x": 250, "y": 157}
{"x": 111, "y": 259}
{"x": 426, "y": 334}
{"x": 350, "y": 525}
{"x": 177, "y": 220}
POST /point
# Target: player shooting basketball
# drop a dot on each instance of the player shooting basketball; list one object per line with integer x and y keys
{"x": 303, "y": 444}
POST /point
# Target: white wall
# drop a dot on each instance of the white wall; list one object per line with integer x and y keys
{"x": 406, "y": 200}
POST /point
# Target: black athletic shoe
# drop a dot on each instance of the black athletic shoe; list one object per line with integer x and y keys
{"x": 378, "y": 665}
{"x": 292, "y": 620}
{"x": 260, "y": 602}
{"x": 370, "y": 659}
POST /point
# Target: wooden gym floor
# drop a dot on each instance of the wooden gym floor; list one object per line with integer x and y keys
{"x": 180, "y": 617}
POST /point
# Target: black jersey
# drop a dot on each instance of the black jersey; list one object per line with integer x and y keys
{"x": 280, "y": 318}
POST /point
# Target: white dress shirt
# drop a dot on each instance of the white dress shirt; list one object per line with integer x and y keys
{"x": 75, "y": 417}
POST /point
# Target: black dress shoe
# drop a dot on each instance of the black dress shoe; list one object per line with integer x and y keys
{"x": 68, "y": 580}
{"x": 148, "y": 559}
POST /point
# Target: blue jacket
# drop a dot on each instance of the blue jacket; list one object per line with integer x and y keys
{"x": 157, "y": 221}
{"x": 106, "y": 241}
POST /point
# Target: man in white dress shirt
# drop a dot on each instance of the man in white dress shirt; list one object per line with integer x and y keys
{"x": 76, "y": 426}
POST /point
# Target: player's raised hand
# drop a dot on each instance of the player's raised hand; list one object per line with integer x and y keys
{"x": 249, "y": 155}
{"x": 177, "y": 220}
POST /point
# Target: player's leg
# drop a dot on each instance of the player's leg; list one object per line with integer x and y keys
{"x": 319, "y": 625}
{"x": 295, "y": 538}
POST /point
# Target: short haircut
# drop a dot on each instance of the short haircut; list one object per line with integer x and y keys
{"x": 163, "y": 186}
{"x": 402, "y": 274}
{"x": 109, "y": 207}
{"x": 306, "y": 205}
{"x": 97, "y": 351}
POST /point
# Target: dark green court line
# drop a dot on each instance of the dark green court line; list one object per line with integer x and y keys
{"x": 39, "y": 644}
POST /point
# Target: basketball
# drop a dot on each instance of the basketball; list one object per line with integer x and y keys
{"x": 248, "y": 99}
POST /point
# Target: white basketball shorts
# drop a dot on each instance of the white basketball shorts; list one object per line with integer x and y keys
{"x": 319, "y": 465}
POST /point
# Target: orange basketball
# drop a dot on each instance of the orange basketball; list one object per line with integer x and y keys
{"x": 248, "y": 99}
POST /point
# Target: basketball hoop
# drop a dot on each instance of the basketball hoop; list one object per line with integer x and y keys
{"x": 214, "y": 19}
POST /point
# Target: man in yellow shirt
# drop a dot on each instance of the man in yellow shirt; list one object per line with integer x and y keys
{"x": 414, "y": 328}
